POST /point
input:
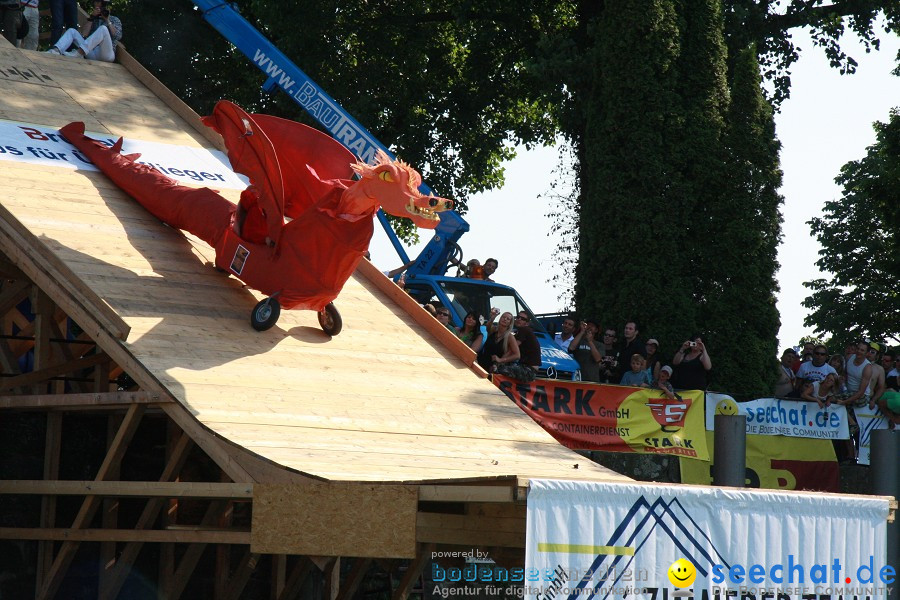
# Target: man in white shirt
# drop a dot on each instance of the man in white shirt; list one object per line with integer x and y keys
{"x": 816, "y": 369}
{"x": 564, "y": 338}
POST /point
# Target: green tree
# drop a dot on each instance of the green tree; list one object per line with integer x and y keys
{"x": 630, "y": 263}
{"x": 860, "y": 297}
{"x": 739, "y": 305}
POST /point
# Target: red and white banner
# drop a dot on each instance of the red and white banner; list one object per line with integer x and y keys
{"x": 43, "y": 145}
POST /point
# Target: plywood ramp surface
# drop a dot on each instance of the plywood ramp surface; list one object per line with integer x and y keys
{"x": 383, "y": 401}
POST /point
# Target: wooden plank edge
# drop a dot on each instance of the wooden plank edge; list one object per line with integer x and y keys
{"x": 51, "y": 274}
{"x": 168, "y": 97}
{"x": 455, "y": 345}
{"x": 466, "y": 493}
{"x": 90, "y": 399}
{"x": 126, "y": 535}
{"x": 140, "y": 489}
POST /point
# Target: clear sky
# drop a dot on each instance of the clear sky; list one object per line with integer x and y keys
{"x": 826, "y": 123}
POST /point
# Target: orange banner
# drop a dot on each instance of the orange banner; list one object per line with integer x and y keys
{"x": 613, "y": 418}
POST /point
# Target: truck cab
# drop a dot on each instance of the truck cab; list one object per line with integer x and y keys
{"x": 461, "y": 295}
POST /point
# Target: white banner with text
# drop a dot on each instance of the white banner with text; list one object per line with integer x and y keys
{"x": 774, "y": 416}
{"x": 612, "y": 540}
{"x": 43, "y": 145}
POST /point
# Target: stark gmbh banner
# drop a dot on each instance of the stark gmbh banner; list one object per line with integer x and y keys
{"x": 587, "y": 416}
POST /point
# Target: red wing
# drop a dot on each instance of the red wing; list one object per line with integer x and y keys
{"x": 252, "y": 153}
{"x": 297, "y": 146}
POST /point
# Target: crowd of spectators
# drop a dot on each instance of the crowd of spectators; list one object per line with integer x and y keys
{"x": 866, "y": 374}
{"x": 631, "y": 360}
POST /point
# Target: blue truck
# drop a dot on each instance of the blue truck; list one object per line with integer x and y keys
{"x": 426, "y": 277}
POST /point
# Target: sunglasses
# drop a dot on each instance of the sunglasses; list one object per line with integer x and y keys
{"x": 443, "y": 313}
{"x": 820, "y": 353}
{"x": 521, "y": 318}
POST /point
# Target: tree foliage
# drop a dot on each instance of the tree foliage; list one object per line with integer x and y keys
{"x": 740, "y": 305}
{"x": 679, "y": 220}
{"x": 860, "y": 297}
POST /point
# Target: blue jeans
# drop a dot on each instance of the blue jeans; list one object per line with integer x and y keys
{"x": 64, "y": 15}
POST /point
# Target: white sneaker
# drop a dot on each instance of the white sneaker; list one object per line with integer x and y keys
{"x": 53, "y": 50}
{"x": 73, "y": 53}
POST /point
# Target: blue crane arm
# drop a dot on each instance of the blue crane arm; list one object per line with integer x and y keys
{"x": 284, "y": 74}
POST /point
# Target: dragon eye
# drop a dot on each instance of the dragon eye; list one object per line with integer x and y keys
{"x": 448, "y": 204}
{"x": 386, "y": 176}
{"x": 432, "y": 202}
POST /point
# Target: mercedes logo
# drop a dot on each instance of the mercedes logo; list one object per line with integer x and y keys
{"x": 551, "y": 373}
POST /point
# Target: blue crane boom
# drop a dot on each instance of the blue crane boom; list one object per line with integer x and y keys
{"x": 282, "y": 73}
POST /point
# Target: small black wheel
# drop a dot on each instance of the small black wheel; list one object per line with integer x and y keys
{"x": 265, "y": 314}
{"x": 330, "y": 320}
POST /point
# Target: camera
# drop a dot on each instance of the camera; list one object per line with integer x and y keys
{"x": 692, "y": 344}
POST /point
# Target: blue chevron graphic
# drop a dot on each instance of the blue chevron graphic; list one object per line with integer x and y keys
{"x": 645, "y": 519}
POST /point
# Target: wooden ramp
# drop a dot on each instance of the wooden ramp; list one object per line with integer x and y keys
{"x": 385, "y": 401}
{"x": 381, "y": 442}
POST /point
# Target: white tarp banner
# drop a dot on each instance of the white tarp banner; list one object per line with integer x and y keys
{"x": 773, "y": 416}
{"x": 43, "y": 145}
{"x": 599, "y": 541}
{"x": 869, "y": 419}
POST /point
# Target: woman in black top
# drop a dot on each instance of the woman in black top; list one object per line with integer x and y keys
{"x": 500, "y": 347}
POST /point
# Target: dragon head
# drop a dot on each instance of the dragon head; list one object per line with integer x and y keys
{"x": 395, "y": 186}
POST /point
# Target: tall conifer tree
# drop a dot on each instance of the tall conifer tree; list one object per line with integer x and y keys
{"x": 629, "y": 264}
{"x": 742, "y": 316}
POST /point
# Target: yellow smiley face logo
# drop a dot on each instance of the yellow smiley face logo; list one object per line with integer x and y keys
{"x": 726, "y": 406}
{"x": 682, "y": 573}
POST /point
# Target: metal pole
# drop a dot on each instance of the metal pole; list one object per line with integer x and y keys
{"x": 885, "y": 469}
{"x": 730, "y": 454}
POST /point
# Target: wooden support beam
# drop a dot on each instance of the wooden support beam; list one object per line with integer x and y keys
{"x": 413, "y": 572}
{"x": 354, "y": 578}
{"x": 296, "y": 579}
{"x": 110, "y": 512}
{"x": 466, "y": 530}
{"x": 86, "y": 400}
{"x": 140, "y": 489}
{"x": 48, "y": 588}
{"x": 467, "y": 493}
{"x": 8, "y": 359}
{"x": 192, "y": 555}
{"x": 119, "y": 570}
{"x": 279, "y": 573}
{"x": 54, "y": 371}
{"x": 42, "y": 307}
{"x": 101, "y": 378}
{"x": 66, "y": 351}
{"x": 13, "y": 293}
{"x": 207, "y": 441}
{"x": 332, "y": 572}
{"x": 238, "y": 581}
{"x": 76, "y": 536}
{"x": 52, "y": 443}
{"x": 9, "y": 270}
{"x": 223, "y": 553}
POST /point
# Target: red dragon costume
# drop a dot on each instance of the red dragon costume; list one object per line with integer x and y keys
{"x": 295, "y": 172}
